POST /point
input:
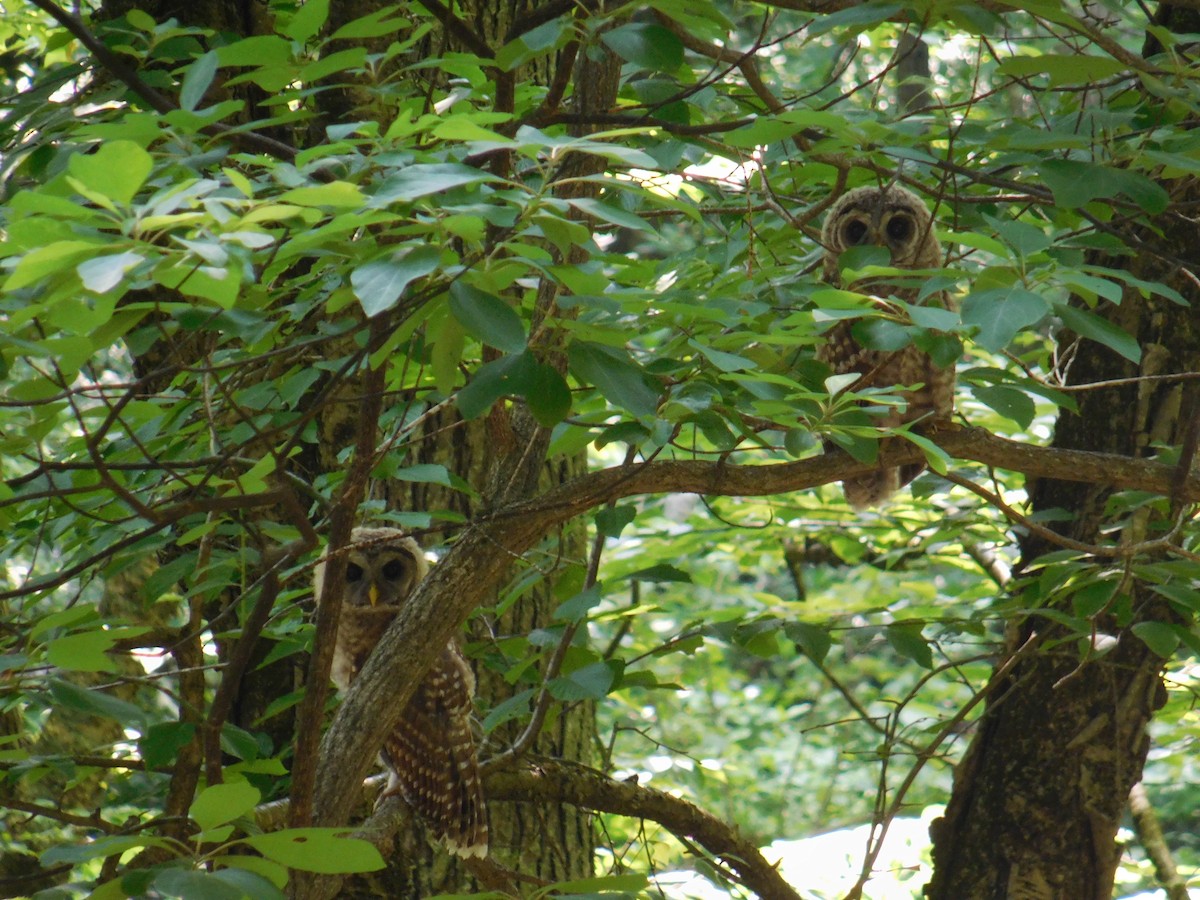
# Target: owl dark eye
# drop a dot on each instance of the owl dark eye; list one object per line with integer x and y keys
{"x": 393, "y": 569}
{"x": 354, "y": 572}
{"x": 854, "y": 233}
{"x": 899, "y": 228}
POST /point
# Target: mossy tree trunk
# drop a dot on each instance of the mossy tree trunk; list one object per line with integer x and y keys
{"x": 503, "y": 452}
{"x": 1038, "y": 798}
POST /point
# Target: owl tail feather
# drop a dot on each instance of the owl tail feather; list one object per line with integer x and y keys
{"x": 467, "y": 835}
{"x": 432, "y": 763}
{"x": 871, "y": 490}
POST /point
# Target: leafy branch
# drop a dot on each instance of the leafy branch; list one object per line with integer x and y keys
{"x": 482, "y": 555}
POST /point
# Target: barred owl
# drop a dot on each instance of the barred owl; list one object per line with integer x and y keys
{"x": 897, "y": 220}
{"x": 430, "y": 756}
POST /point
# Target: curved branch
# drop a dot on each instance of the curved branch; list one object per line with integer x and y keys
{"x": 556, "y": 782}
{"x": 552, "y": 781}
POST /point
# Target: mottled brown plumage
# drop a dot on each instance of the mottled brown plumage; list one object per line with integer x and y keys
{"x": 430, "y": 755}
{"x": 897, "y": 220}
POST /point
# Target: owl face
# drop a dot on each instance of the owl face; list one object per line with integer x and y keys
{"x": 889, "y": 217}
{"x": 383, "y": 568}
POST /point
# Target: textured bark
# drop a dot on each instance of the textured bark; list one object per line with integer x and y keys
{"x": 501, "y": 457}
{"x": 1039, "y": 795}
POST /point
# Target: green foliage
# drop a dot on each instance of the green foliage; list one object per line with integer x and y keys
{"x": 180, "y": 308}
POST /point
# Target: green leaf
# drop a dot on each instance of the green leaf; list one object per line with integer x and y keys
{"x": 647, "y": 45}
{"x": 907, "y": 640}
{"x": 547, "y": 394}
{"x": 1062, "y": 70}
{"x": 603, "y": 884}
{"x": 424, "y": 473}
{"x": 534, "y": 42}
{"x": 196, "y": 80}
{"x": 239, "y": 742}
{"x": 424, "y": 179}
{"x": 221, "y": 803}
{"x": 322, "y": 850}
{"x": 100, "y": 848}
{"x": 103, "y": 273}
{"x": 1076, "y": 183}
{"x": 190, "y": 884}
{"x": 116, "y": 170}
{"x": 1100, "y": 330}
{"x": 49, "y": 260}
{"x": 372, "y": 25}
{"x": 577, "y": 608}
{"x": 515, "y": 707}
{"x": 938, "y": 459}
{"x": 269, "y": 871}
{"x": 856, "y": 17}
{"x": 611, "y": 521}
{"x": 487, "y": 318}
{"x": 612, "y": 214}
{"x": 1007, "y": 401}
{"x": 812, "y": 640}
{"x": 83, "y": 652}
{"x": 501, "y": 377}
{"x": 663, "y": 572}
{"x": 334, "y": 63}
{"x": 70, "y": 617}
{"x": 592, "y": 682}
{"x": 769, "y": 129}
{"x": 96, "y": 702}
{"x": 308, "y": 19}
{"x": 249, "y": 884}
{"x": 379, "y": 284}
{"x": 726, "y": 362}
{"x": 221, "y": 286}
{"x": 335, "y": 195}
{"x": 881, "y": 334}
{"x": 615, "y": 375}
{"x": 1001, "y": 313}
{"x": 1160, "y": 637}
{"x": 257, "y": 50}
{"x": 161, "y": 742}
{"x": 1024, "y": 238}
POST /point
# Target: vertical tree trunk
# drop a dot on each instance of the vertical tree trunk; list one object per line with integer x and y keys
{"x": 1039, "y": 795}
{"x": 546, "y": 841}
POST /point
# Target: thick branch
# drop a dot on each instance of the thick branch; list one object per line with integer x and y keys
{"x": 719, "y": 479}
{"x": 554, "y": 782}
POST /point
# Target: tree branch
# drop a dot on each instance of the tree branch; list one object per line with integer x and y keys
{"x": 341, "y": 519}
{"x": 552, "y": 781}
{"x": 556, "y": 782}
{"x": 153, "y": 98}
{"x": 484, "y": 552}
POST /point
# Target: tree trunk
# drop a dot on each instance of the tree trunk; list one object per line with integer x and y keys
{"x": 549, "y": 842}
{"x": 1042, "y": 788}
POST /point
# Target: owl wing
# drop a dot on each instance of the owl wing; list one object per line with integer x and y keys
{"x": 909, "y": 365}
{"x": 432, "y": 762}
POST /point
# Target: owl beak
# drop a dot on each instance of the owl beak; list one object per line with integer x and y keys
{"x": 373, "y": 594}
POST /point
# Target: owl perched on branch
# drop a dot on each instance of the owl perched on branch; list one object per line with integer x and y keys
{"x": 430, "y": 755}
{"x": 897, "y": 220}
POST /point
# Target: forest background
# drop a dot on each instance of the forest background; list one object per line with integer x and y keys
{"x": 540, "y": 282}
